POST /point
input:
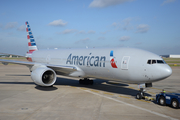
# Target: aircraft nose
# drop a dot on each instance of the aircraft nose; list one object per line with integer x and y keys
{"x": 166, "y": 71}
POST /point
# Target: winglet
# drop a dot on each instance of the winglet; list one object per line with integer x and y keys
{"x": 31, "y": 41}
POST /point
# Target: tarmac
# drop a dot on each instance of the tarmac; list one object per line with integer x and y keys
{"x": 21, "y": 99}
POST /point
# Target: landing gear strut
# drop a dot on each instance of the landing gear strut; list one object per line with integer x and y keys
{"x": 140, "y": 94}
{"x": 86, "y": 81}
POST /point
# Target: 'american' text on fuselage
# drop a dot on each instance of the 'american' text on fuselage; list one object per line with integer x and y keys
{"x": 97, "y": 61}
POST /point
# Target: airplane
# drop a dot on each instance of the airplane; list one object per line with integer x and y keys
{"x": 127, "y": 65}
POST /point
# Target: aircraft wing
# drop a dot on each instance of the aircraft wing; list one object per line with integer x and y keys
{"x": 5, "y": 62}
{"x": 59, "y": 69}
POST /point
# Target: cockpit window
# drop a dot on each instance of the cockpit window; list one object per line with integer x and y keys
{"x": 156, "y": 62}
{"x": 149, "y": 62}
{"x": 160, "y": 62}
{"x": 153, "y": 61}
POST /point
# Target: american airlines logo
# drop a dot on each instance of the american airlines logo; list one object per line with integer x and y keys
{"x": 97, "y": 61}
{"x": 112, "y": 61}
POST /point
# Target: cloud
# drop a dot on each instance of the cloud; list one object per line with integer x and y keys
{"x": 10, "y": 33}
{"x": 21, "y": 28}
{"x": 85, "y": 40}
{"x": 101, "y": 38}
{"x": 58, "y": 23}
{"x": 168, "y": 1}
{"x": 106, "y": 3}
{"x": 142, "y": 28}
{"x": 105, "y": 32}
{"x": 81, "y": 32}
{"x": 116, "y": 25}
{"x": 126, "y": 24}
{"x": 10, "y": 25}
{"x": 124, "y": 38}
{"x": 67, "y": 31}
{"x": 91, "y": 32}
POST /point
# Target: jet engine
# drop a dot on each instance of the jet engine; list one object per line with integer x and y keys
{"x": 43, "y": 76}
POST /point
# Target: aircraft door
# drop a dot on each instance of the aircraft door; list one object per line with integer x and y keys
{"x": 148, "y": 69}
{"x": 125, "y": 62}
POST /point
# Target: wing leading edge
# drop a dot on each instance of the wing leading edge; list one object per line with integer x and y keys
{"x": 59, "y": 69}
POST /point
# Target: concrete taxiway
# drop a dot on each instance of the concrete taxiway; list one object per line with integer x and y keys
{"x": 21, "y": 99}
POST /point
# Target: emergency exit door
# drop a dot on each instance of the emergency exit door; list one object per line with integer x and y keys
{"x": 125, "y": 62}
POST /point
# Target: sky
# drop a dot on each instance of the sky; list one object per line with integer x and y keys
{"x": 152, "y": 25}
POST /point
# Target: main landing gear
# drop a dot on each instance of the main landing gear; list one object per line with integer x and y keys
{"x": 140, "y": 94}
{"x": 86, "y": 81}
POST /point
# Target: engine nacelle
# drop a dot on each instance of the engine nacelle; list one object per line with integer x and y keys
{"x": 43, "y": 76}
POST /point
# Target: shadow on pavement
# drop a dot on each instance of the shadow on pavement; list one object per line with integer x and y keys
{"x": 106, "y": 86}
{"x": 51, "y": 88}
{"x": 16, "y": 75}
{"x": 24, "y": 83}
{"x": 102, "y": 85}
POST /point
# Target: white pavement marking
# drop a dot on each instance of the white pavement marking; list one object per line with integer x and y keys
{"x": 156, "y": 113}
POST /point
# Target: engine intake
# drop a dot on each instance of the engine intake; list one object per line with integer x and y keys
{"x": 43, "y": 76}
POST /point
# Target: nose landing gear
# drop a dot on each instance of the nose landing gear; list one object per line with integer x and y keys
{"x": 140, "y": 94}
{"x": 86, "y": 81}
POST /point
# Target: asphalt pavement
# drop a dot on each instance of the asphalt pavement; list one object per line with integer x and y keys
{"x": 21, "y": 99}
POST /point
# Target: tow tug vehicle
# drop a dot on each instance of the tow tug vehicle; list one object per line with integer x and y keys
{"x": 172, "y": 99}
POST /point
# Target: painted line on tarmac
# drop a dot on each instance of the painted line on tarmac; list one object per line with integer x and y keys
{"x": 150, "y": 111}
{"x": 133, "y": 88}
{"x": 95, "y": 91}
{"x": 124, "y": 96}
{"x": 73, "y": 87}
{"x": 83, "y": 88}
{"x": 144, "y": 101}
{"x": 161, "y": 89}
{"x": 107, "y": 93}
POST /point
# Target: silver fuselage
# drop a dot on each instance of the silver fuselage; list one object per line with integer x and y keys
{"x": 131, "y": 63}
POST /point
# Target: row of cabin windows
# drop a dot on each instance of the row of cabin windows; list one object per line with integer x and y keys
{"x": 156, "y": 62}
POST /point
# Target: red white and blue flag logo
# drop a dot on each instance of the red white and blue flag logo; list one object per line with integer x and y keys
{"x": 112, "y": 61}
{"x": 31, "y": 41}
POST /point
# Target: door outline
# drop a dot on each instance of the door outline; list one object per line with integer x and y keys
{"x": 125, "y": 62}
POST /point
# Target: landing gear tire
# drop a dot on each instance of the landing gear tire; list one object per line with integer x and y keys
{"x": 86, "y": 82}
{"x": 174, "y": 104}
{"x": 139, "y": 95}
{"x": 162, "y": 101}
